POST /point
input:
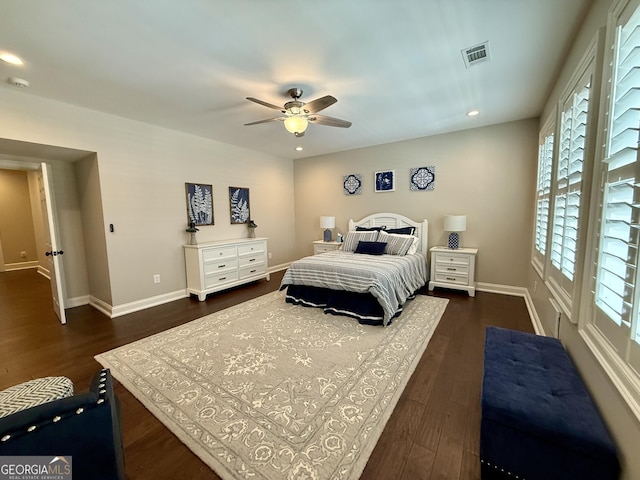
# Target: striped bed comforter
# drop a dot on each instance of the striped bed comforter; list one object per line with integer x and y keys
{"x": 391, "y": 279}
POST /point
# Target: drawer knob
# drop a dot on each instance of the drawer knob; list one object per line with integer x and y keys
{"x": 222, "y": 278}
{"x": 221, "y": 266}
{"x": 451, "y": 269}
{"x": 452, "y": 279}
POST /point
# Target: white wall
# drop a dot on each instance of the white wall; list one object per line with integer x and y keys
{"x": 486, "y": 173}
{"x": 142, "y": 175}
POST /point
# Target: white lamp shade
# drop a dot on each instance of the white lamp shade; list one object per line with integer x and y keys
{"x": 455, "y": 223}
{"x": 327, "y": 222}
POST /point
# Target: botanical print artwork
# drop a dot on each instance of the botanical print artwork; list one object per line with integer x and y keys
{"x": 199, "y": 204}
{"x": 352, "y": 184}
{"x": 385, "y": 181}
{"x": 422, "y": 178}
{"x": 239, "y": 204}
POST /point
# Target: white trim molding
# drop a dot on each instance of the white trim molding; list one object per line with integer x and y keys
{"x": 145, "y": 303}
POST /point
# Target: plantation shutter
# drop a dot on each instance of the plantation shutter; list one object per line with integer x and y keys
{"x": 616, "y": 260}
{"x": 543, "y": 195}
{"x": 568, "y": 190}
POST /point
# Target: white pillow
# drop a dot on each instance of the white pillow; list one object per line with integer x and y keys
{"x": 397, "y": 244}
{"x": 352, "y": 239}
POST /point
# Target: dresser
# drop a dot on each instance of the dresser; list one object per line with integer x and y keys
{"x": 216, "y": 266}
{"x": 320, "y": 246}
{"x": 453, "y": 269}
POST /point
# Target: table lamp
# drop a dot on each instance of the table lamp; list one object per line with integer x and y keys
{"x": 455, "y": 224}
{"x": 327, "y": 223}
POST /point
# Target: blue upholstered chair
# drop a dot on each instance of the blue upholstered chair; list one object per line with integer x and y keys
{"x": 84, "y": 426}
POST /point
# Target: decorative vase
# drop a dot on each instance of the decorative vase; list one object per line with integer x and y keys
{"x": 252, "y": 233}
{"x": 192, "y": 238}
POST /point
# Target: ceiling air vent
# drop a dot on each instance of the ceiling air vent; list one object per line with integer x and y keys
{"x": 476, "y": 54}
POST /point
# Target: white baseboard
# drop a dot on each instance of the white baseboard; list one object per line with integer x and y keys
{"x": 138, "y": 305}
{"x": 101, "y": 306}
{"x": 11, "y": 267}
{"x": 518, "y": 292}
{"x": 44, "y": 272}
{"x": 77, "y": 301}
{"x": 277, "y": 268}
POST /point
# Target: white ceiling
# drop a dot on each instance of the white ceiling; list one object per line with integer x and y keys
{"x": 395, "y": 66}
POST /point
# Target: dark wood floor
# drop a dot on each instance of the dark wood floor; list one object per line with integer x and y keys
{"x": 433, "y": 432}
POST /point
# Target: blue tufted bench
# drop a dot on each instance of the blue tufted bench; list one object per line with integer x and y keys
{"x": 538, "y": 421}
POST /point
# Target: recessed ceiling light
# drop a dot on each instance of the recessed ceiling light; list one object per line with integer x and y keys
{"x": 299, "y": 149}
{"x": 473, "y": 113}
{"x": 11, "y": 58}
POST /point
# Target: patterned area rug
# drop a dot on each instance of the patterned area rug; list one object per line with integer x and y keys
{"x": 269, "y": 390}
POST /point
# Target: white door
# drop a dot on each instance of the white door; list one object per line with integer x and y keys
{"x": 53, "y": 244}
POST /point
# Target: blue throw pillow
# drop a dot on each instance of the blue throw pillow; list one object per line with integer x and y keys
{"x": 371, "y": 248}
{"x": 402, "y": 230}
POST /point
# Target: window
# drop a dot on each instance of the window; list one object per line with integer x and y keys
{"x": 568, "y": 188}
{"x": 543, "y": 194}
{"x": 613, "y": 309}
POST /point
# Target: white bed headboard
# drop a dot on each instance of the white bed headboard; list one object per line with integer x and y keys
{"x": 393, "y": 220}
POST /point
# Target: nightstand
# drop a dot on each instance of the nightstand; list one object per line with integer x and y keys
{"x": 453, "y": 269}
{"x": 320, "y": 246}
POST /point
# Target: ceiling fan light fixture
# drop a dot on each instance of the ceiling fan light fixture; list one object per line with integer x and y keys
{"x": 296, "y": 124}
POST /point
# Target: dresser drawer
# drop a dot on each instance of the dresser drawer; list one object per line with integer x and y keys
{"x": 249, "y": 260}
{"x": 452, "y": 258}
{"x": 220, "y": 278}
{"x": 252, "y": 270}
{"x": 214, "y": 254}
{"x": 224, "y": 265}
{"x": 251, "y": 248}
{"x": 460, "y": 279}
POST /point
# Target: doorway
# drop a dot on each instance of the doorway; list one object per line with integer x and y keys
{"x": 27, "y": 157}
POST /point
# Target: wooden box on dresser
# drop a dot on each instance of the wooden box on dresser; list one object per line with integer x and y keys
{"x": 219, "y": 265}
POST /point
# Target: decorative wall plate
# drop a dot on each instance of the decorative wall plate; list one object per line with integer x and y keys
{"x": 423, "y": 178}
{"x": 352, "y": 184}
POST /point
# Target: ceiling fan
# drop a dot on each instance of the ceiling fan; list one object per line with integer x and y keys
{"x": 297, "y": 114}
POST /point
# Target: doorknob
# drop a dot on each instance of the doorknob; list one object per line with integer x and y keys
{"x": 59, "y": 252}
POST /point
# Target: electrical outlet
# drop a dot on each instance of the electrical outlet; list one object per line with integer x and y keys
{"x": 156, "y": 278}
{"x": 535, "y": 286}
{"x": 23, "y": 254}
{"x": 270, "y": 254}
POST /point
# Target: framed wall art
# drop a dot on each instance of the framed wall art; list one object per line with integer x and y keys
{"x": 352, "y": 184}
{"x": 385, "y": 181}
{"x": 239, "y": 204}
{"x": 422, "y": 178}
{"x": 199, "y": 203}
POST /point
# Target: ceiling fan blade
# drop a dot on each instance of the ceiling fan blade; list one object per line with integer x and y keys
{"x": 265, "y": 121}
{"x": 329, "y": 121}
{"x": 266, "y": 104}
{"x": 319, "y": 104}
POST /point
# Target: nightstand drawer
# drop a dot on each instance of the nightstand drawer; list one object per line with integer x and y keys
{"x": 459, "y": 279}
{"x": 323, "y": 247}
{"x": 452, "y": 268}
{"x": 452, "y": 258}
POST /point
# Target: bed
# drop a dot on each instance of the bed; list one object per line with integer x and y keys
{"x": 363, "y": 279}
